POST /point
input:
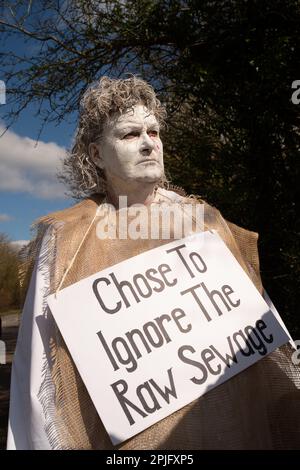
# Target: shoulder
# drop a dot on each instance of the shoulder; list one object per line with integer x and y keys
{"x": 77, "y": 212}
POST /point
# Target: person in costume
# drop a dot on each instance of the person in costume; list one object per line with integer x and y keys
{"x": 118, "y": 152}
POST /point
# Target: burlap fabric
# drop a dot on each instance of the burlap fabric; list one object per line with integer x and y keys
{"x": 257, "y": 409}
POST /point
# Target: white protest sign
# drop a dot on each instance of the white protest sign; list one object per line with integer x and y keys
{"x": 153, "y": 333}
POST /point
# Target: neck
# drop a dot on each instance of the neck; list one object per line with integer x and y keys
{"x": 136, "y": 193}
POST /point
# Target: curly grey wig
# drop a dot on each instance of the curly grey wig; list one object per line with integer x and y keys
{"x": 102, "y": 99}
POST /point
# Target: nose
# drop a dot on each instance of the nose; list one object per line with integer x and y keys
{"x": 147, "y": 143}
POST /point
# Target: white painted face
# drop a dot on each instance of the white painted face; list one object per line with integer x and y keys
{"x": 130, "y": 148}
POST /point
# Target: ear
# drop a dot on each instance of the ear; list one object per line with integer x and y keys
{"x": 95, "y": 154}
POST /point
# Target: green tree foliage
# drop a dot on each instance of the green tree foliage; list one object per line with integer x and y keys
{"x": 225, "y": 70}
{"x": 9, "y": 279}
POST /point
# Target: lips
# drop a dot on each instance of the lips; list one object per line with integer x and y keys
{"x": 148, "y": 160}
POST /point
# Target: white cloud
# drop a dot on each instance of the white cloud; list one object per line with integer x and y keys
{"x": 30, "y": 168}
{"x": 5, "y": 218}
{"x": 18, "y": 244}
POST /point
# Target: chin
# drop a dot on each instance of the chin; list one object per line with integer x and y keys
{"x": 153, "y": 177}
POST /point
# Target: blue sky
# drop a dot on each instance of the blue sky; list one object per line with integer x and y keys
{"x": 28, "y": 186}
